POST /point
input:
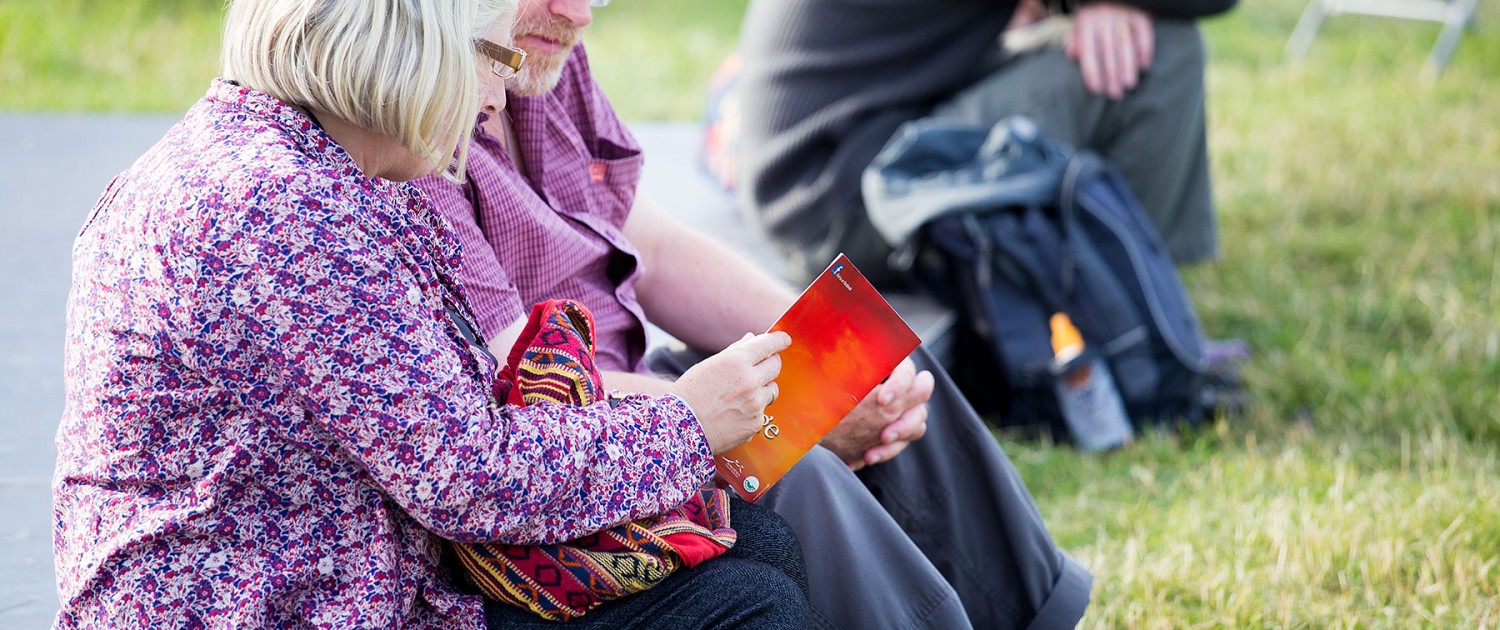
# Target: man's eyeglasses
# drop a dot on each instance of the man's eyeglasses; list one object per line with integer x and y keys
{"x": 505, "y": 61}
{"x": 598, "y": 3}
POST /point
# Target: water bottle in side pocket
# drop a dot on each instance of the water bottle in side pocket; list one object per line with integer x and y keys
{"x": 1086, "y": 393}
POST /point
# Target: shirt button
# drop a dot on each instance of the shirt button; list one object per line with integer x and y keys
{"x": 414, "y": 295}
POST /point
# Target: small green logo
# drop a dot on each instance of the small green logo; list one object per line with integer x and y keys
{"x": 752, "y": 484}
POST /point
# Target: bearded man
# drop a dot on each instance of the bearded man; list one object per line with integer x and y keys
{"x": 909, "y": 514}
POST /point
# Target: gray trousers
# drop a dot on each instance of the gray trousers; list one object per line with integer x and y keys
{"x": 944, "y": 535}
{"x": 1156, "y": 136}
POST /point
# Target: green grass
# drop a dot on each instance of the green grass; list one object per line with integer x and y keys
{"x": 1360, "y": 212}
{"x": 654, "y": 58}
{"x": 121, "y": 55}
{"x": 159, "y": 55}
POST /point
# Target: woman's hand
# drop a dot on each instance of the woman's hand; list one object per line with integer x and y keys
{"x": 730, "y": 390}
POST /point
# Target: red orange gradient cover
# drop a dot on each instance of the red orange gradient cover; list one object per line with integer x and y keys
{"x": 845, "y": 340}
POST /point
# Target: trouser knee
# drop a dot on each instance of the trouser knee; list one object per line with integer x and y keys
{"x": 765, "y": 537}
{"x": 745, "y": 594}
{"x": 1179, "y": 48}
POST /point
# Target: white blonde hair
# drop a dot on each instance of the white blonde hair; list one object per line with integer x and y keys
{"x": 402, "y": 68}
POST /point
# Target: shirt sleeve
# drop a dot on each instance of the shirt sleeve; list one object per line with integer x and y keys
{"x": 1181, "y": 9}
{"x": 322, "y": 329}
{"x": 496, "y": 300}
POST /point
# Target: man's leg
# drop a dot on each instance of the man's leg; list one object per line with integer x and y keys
{"x": 863, "y": 571}
{"x": 945, "y": 530}
{"x": 957, "y": 496}
{"x": 1155, "y": 135}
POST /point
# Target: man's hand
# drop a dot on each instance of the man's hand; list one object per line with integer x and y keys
{"x": 891, "y": 417}
{"x": 1027, "y": 12}
{"x": 1113, "y": 44}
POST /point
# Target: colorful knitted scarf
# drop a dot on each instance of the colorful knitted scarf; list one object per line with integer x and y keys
{"x": 553, "y": 361}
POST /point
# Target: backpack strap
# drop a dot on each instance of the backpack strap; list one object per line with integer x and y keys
{"x": 1045, "y": 263}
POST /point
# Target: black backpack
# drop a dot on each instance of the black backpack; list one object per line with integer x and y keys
{"x": 1008, "y": 227}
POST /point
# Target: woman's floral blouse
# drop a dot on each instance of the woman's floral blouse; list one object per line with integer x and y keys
{"x": 271, "y": 416}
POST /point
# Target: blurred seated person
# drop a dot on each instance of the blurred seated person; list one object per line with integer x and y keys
{"x": 275, "y": 416}
{"x": 825, "y": 85}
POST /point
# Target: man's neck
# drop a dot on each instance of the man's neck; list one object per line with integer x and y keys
{"x": 503, "y": 129}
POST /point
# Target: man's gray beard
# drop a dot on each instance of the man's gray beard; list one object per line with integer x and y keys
{"x": 537, "y": 79}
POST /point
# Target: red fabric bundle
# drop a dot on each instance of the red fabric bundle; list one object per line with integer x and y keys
{"x": 553, "y": 361}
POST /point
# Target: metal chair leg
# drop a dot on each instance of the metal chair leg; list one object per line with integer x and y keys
{"x": 1460, "y": 13}
{"x": 1306, "y": 31}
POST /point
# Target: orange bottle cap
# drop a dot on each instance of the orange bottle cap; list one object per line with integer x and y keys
{"x": 1066, "y": 340}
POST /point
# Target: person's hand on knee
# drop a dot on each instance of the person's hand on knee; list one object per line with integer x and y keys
{"x": 891, "y": 417}
{"x": 1113, "y": 45}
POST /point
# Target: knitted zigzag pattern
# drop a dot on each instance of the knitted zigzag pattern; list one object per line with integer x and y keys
{"x": 553, "y": 362}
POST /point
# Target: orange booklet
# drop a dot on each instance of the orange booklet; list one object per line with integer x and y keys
{"x": 845, "y": 340}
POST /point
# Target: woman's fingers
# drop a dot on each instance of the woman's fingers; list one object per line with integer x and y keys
{"x": 729, "y": 391}
{"x": 758, "y": 347}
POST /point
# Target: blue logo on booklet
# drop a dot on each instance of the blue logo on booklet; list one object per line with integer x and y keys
{"x": 838, "y": 267}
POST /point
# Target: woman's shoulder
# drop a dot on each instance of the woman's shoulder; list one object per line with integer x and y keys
{"x": 228, "y": 164}
{"x": 246, "y": 141}
{"x": 223, "y": 195}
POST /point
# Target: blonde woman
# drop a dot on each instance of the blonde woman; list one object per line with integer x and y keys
{"x": 276, "y": 406}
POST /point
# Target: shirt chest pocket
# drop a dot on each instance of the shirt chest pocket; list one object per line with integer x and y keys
{"x": 613, "y": 172}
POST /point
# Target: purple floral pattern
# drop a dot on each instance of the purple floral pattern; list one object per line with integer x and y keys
{"x": 271, "y": 417}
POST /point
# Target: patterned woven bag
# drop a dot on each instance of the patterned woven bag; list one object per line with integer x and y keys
{"x": 553, "y": 361}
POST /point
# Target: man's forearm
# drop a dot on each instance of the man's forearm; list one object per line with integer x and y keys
{"x": 697, "y": 290}
{"x": 1179, "y": 9}
{"x": 635, "y": 383}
